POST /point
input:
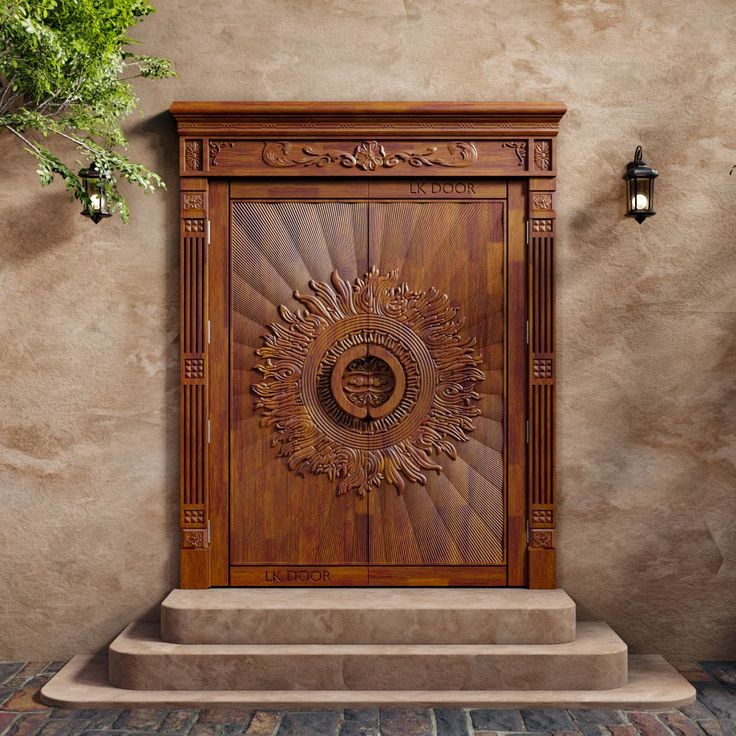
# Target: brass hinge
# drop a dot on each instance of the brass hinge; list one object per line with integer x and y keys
{"x": 527, "y": 231}
{"x": 208, "y": 232}
{"x": 209, "y": 531}
{"x": 209, "y": 332}
{"x": 527, "y": 431}
{"x": 527, "y": 332}
{"x": 209, "y": 431}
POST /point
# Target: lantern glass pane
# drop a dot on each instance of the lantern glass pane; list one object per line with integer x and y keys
{"x": 99, "y": 201}
{"x": 90, "y": 186}
{"x": 631, "y": 190}
{"x": 643, "y": 194}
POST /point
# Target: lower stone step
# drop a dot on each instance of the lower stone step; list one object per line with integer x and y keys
{"x": 596, "y": 660}
{"x": 368, "y": 616}
{"x": 653, "y": 685}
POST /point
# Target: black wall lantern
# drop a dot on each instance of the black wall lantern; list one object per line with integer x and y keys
{"x": 94, "y": 185}
{"x": 639, "y": 188}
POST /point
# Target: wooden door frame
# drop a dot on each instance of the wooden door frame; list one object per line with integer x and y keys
{"x": 426, "y": 140}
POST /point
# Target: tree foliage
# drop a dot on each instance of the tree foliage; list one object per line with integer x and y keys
{"x": 65, "y": 67}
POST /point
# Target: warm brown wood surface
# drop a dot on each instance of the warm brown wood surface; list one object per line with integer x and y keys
{"x": 431, "y": 182}
{"x": 276, "y": 515}
{"x": 457, "y": 517}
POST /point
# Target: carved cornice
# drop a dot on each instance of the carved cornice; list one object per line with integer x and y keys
{"x": 369, "y": 119}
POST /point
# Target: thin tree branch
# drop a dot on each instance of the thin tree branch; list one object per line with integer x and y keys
{"x": 78, "y": 141}
{"x": 24, "y": 139}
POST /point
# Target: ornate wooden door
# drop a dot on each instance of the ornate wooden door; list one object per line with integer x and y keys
{"x": 369, "y": 384}
{"x": 368, "y": 347}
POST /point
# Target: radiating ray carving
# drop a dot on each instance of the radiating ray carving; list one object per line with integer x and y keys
{"x": 368, "y": 382}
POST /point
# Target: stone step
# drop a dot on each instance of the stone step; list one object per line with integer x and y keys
{"x": 596, "y": 660}
{"x": 368, "y": 616}
{"x": 653, "y": 685}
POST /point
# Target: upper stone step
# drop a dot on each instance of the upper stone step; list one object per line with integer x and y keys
{"x": 368, "y": 616}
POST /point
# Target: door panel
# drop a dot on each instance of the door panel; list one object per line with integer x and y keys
{"x": 456, "y": 515}
{"x": 381, "y": 461}
{"x": 277, "y": 516}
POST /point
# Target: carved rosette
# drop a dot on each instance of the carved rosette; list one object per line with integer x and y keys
{"x": 193, "y": 155}
{"x": 369, "y": 383}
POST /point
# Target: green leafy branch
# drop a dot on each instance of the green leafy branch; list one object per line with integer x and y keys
{"x": 65, "y": 71}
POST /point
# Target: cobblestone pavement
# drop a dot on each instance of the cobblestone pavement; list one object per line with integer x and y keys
{"x": 22, "y": 714}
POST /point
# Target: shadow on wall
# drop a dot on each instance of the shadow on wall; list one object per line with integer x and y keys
{"x": 23, "y": 241}
{"x": 159, "y": 133}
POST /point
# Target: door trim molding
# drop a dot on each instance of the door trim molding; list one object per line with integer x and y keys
{"x": 373, "y": 140}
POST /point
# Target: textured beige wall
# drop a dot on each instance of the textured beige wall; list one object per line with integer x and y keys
{"x": 647, "y": 340}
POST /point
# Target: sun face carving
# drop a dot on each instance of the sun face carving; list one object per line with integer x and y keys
{"x": 368, "y": 382}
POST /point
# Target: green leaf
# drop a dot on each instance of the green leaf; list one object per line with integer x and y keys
{"x": 64, "y": 64}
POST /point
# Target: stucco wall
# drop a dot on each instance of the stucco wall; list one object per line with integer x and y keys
{"x": 647, "y": 333}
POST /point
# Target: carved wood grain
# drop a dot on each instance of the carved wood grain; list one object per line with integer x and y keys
{"x": 542, "y": 379}
{"x": 194, "y": 410}
{"x": 458, "y": 249}
{"x": 274, "y": 253}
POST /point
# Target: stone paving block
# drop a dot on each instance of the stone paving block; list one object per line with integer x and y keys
{"x": 718, "y": 699}
{"x": 225, "y": 715}
{"x": 719, "y": 728}
{"x": 5, "y": 694}
{"x": 593, "y": 722}
{"x": 38, "y": 680}
{"x": 712, "y": 727}
{"x": 451, "y": 722}
{"x": 5, "y": 720}
{"x": 235, "y": 729}
{"x": 139, "y": 719}
{"x": 542, "y": 719}
{"x": 680, "y": 724}
{"x": 723, "y": 672}
{"x": 178, "y": 721}
{"x": 8, "y": 670}
{"x": 25, "y": 700}
{"x": 72, "y": 714}
{"x": 513, "y": 733}
{"x": 496, "y": 720}
{"x": 313, "y": 723}
{"x": 360, "y": 722}
{"x": 647, "y": 724}
{"x": 206, "y": 729}
{"x": 98, "y": 732}
{"x": 623, "y": 730}
{"x": 27, "y": 673}
{"x": 102, "y": 720}
{"x": 263, "y": 723}
{"x": 365, "y": 716}
{"x": 27, "y": 724}
{"x": 697, "y": 711}
{"x": 62, "y": 727}
{"x": 405, "y": 722}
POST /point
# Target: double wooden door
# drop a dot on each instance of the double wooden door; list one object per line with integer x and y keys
{"x": 375, "y": 382}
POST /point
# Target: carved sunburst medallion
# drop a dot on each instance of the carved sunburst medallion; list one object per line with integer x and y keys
{"x": 369, "y": 383}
